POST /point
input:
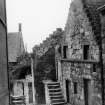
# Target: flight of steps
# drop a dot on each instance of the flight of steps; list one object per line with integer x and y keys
{"x": 55, "y": 93}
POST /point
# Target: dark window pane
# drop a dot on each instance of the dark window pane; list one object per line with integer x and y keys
{"x": 86, "y": 52}
{"x": 75, "y": 87}
{"x": 65, "y": 51}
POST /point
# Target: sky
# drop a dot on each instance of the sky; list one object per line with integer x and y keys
{"x": 39, "y": 18}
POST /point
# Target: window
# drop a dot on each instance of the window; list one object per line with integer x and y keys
{"x": 85, "y": 52}
{"x": 65, "y": 48}
{"x": 94, "y": 67}
{"x": 75, "y": 87}
{"x": 59, "y": 49}
{"x": 103, "y": 12}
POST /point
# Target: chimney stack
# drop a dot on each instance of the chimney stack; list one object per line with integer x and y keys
{"x": 20, "y": 27}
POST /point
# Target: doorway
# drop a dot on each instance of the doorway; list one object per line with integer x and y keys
{"x": 67, "y": 91}
{"x": 30, "y": 92}
{"x": 86, "y": 91}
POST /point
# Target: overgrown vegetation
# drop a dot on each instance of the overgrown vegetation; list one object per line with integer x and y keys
{"x": 45, "y": 69}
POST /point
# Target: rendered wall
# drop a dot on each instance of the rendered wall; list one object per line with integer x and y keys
{"x": 3, "y": 57}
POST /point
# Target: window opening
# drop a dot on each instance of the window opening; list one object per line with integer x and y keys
{"x": 65, "y": 51}
{"x": 86, "y": 52}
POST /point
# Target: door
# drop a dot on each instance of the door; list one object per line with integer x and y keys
{"x": 86, "y": 91}
{"x": 67, "y": 90}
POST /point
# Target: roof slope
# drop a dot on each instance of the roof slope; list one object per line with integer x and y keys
{"x": 15, "y": 46}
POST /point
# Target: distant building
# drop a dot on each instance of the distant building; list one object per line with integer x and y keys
{"x": 21, "y": 80}
{"x": 15, "y": 45}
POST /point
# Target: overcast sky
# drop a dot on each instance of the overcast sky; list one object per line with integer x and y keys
{"x": 39, "y": 18}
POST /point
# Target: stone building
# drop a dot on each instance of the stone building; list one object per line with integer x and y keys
{"x": 4, "y": 92}
{"x": 45, "y": 68}
{"x": 21, "y": 79}
{"x": 78, "y": 63}
{"x": 15, "y": 46}
{"x": 49, "y": 42}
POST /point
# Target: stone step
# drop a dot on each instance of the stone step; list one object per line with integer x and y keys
{"x": 54, "y": 90}
{"x": 58, "y": 101}
{"x": 53, "y": 83}
{"x": 55, "y": 93}
{"x": 53, "y": 86}
{"x": 56, "y": 96}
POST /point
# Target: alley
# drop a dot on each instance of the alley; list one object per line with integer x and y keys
{"x": 57, "y": 56}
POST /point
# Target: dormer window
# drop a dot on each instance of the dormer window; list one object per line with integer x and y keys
{"x": 85, "y": 52}
{"x": 65, "y": 48}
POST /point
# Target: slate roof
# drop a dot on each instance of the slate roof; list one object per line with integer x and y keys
{"x": 15, "y": 46}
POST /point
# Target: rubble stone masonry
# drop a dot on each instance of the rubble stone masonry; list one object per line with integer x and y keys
{"x": 79, "y": 33}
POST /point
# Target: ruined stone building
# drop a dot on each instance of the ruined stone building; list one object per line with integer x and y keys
{"x": 78, "y": 63}
{"x": 51, "y": 41}
{"x": 45, "y": 64}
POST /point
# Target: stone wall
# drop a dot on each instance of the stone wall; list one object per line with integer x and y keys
{"x": 78, "y": 32}
{"x": 4, "y": 92}
{"x": 51, "y": 41}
